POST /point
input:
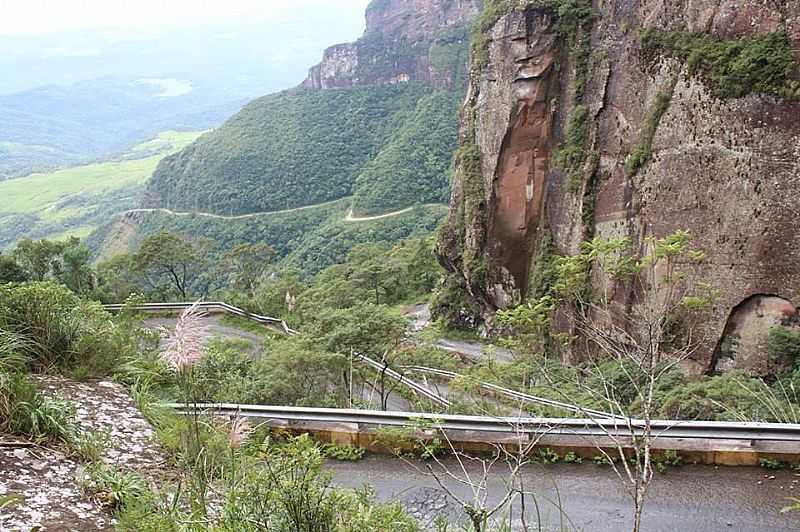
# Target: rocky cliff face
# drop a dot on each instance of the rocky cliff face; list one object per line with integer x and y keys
{"x": 610, "y": 129}
{"x": 405, "y": 40}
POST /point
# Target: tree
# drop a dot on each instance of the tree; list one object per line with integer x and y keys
{"x": 246, "y": 265}
{"x": 77, "y": 272}
{"x": 373, "y": 269}
{"x": 39, "y": 258}
{"x": 366, "y": 329}
{"x": 172, "y": 263}
{"x": 634, "y": 348}
{"x": 117, "y": 279}
{"x": 10, "y": 271}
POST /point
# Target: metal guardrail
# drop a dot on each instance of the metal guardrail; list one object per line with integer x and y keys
{"x": 211, "y": 306}
{"x": 413, "y": 385}
{"x": 216, "y": 306}
{"x": 587, "y": 428}
{"x": 748, "y": 435}
{"x": 519, "y": 396}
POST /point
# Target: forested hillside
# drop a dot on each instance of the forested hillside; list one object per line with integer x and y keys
{"x": 414, "y": 166}
{"x": 374, "y": 125}
{"x": 304, "y": 147}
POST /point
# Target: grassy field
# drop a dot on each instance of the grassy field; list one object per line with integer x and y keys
{"x": 73, "y": 201}
{"x": 41, "y": 193}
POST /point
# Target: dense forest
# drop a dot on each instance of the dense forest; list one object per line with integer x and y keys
{"x": 304, "y": 147}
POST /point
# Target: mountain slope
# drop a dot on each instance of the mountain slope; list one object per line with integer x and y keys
{"x": 374, "y": 124}
{"x": 284, "y": 150}
{"x": 74, "y": 201}
{"x": 376, "y": 119}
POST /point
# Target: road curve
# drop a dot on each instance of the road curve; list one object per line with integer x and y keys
{"x": 351, "y": 218}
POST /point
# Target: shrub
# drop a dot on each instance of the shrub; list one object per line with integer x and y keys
{"x": 572, "y": 154}
{"x": 726, "y": 397}
{"x": 112, "y": 488}
{"x": 642, "y": 152}
{"x": 734, "y": 68}
{"x": 783, "y": 344}
{"x": 347, "y": 453}
{"x": 26, "y": 412}
{"x": 57, "y": 331}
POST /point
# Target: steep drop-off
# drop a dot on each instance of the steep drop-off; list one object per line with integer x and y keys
{"x": 634, "y": 119}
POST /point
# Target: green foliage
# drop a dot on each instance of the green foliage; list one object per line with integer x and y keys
{"x": 286, "y": 150}
{"x": 364, "y": 328}
{"x": 641, "y": 153}
{"x": 266, "y": 485}
{"x": 26, "y": 412}
{"x": 783, "y": 344}
{"x": 39, "y": 258}
{"x": 414, "y": 165}
{"x": 373, "y": 273}
{"x": 661, "y": 461}
{"x": 572, "y": 458}
{"x": 572, "y": 153}
{"x": 346, "y": 453}
{"x": 172, "y": 263}
{"x": 451, "y": 306}
{"x": 733, "y": 68}
{"x": 246, "y": 264}
{"x": 89, "y": 446}
{"x": 547, "y": 455}
{"x": 768, "y": 463}
{"x": 74, "y": 200}
{"x": 57, "y": 329}
{"x": 112, "y": 488}
{"x": 10, "y": 270}
{"x": 722, "y": 398}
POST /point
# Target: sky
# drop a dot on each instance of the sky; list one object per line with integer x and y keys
{"x": 251, "y": 47}
{"x": 26, "y": 17}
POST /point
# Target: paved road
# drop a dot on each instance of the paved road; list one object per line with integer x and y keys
{"x": 420, "y": 318}
{"x": 213, "y": 328}
{"x": 685, "y": 499}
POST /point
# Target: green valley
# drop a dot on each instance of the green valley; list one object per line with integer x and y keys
{"x": 74, "y": 201}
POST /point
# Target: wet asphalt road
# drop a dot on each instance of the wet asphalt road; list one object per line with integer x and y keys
{"x": 685, "y": 499}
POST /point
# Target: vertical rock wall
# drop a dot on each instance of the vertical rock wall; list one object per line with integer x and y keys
{"x": 728, "y": 170}
{"x": 405, "y": 40}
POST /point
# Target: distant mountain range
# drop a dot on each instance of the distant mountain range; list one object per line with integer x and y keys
{"x": 70, "y": 98}
{"x": 60, "y": 126}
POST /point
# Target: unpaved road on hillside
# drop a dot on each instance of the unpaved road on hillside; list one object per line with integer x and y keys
{"x": 685, "y": 499}
{"x": 348, "y": 218}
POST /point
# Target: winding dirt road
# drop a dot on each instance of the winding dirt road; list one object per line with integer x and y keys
{"x": 348, "y": 218}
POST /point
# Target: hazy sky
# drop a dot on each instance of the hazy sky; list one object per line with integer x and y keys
{"x": 258, "y": 46}
{"x": 52, "y": 16}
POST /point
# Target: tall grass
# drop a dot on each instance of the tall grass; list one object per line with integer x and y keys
{"x": 25, "y": 412}
{"x": 13, "y": 349}
{"x": 46, "y": 328}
